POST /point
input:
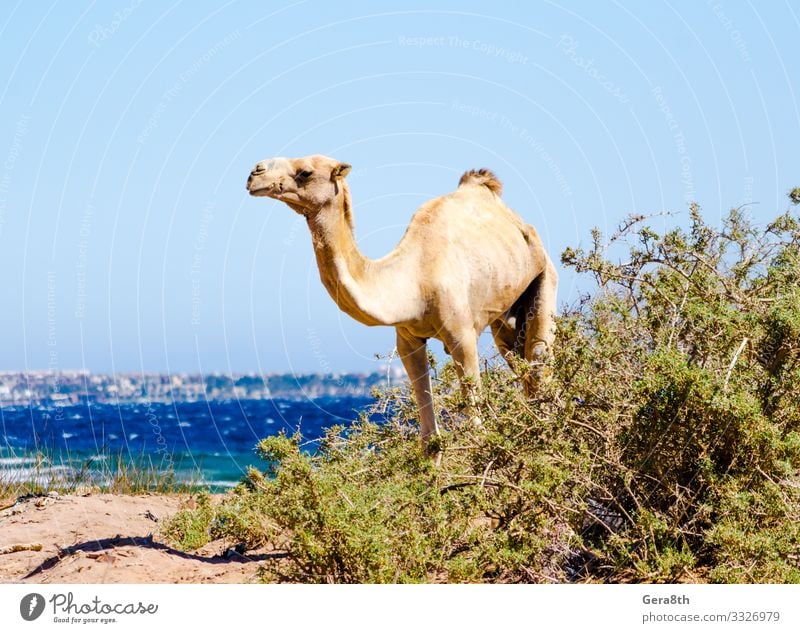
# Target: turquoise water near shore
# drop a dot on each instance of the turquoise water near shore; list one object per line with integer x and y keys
{"x": 208, "y": 443}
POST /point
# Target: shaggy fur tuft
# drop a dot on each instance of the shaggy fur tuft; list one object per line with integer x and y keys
{"x": 482, "y": 177}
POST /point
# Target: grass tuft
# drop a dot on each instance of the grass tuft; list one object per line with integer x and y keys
{"x": 45, "y": 473}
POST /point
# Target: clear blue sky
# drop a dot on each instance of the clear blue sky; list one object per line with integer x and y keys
{"x": 127, "y": 130}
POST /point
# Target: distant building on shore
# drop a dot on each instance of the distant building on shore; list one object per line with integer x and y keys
{"x": 78, "y": 386}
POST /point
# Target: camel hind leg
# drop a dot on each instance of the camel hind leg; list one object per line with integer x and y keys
{"x": 528, "y": 328}
{"x": 540, "y": 325}
{"x": 510, "y": 330}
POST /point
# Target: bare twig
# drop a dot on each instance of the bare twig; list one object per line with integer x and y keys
{"x": 482, "y": 481}
{"x": 733, "y": 361}
{"x": 486, "y": 472}
{"x": 589, "y": 427}
{"x": 21, "y": 547}
{"x": 347, "y": 499}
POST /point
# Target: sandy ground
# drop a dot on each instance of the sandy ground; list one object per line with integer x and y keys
{"x": 103, "y": 538}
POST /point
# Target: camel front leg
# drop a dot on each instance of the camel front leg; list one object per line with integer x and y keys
{"x": 464, "y": 350}
{"x": 413, "y": 352}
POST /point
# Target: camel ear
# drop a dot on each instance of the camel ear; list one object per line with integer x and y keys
{"x": 340, "y": 171}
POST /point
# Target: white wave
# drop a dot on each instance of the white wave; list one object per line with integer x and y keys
{"x": 41, "y": 476}
{"x": 17, "y": 461}
{"x": 219, "y": 483}
{"x": 184, "y": 424}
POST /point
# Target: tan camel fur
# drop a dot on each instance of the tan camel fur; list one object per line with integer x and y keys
{"x": 465, "y": 262}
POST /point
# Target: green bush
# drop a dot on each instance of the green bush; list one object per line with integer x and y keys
{"x": 663, "y": 444}
{"x": 189, "y": 529}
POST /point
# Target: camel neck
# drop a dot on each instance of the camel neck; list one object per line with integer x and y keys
{"x": 332, "y": 234}
{"x": 350, "y": 278}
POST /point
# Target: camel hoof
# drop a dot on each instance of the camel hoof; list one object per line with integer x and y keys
{"x": 539, "y": 353}
{"x": 433, "y": 450}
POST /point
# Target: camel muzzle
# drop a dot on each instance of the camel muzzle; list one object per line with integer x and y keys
{"x": 256, "y": 173}
{"x": 258, "y": 187}
{"x": 258, "y": 170}
{"x": 260, "y": 182}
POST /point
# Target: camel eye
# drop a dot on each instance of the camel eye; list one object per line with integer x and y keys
{"x": 303, "y": 175}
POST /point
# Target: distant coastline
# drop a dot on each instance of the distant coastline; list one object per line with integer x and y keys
{"x": 62, "y": 388}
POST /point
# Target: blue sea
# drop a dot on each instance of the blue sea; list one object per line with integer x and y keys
{"x": 210, "y": 443}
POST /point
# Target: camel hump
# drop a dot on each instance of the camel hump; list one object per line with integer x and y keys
{"x": 482, "y": 177}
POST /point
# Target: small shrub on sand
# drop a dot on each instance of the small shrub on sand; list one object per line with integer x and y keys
{"x": 189, "y": 528}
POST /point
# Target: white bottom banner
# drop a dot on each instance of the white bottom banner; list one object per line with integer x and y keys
{"x": 461, "y": 608}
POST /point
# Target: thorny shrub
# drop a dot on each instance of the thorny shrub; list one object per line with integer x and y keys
{"x": 663, "y": 444}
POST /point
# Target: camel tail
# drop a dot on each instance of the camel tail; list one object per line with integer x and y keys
{"x": 482, "y": 177}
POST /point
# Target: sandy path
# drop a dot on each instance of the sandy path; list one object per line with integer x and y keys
{"x": 103, "y": 538}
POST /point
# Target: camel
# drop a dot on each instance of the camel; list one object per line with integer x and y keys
{"x": 466, "y": 262}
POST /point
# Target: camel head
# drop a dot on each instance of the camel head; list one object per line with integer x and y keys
{"x": 305, "y": 184}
